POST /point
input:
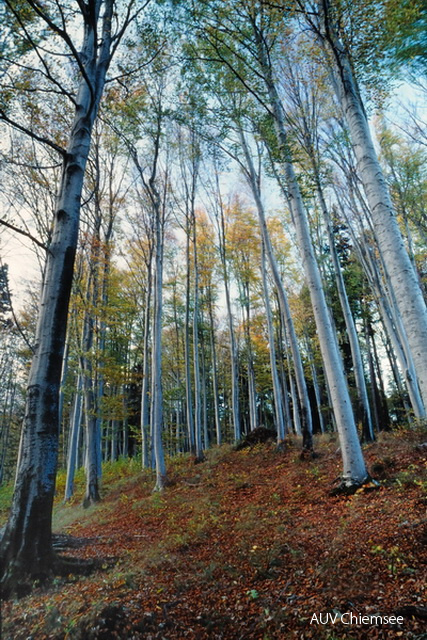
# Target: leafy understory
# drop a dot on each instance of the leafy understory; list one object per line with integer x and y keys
{"x": 249, "y": 544}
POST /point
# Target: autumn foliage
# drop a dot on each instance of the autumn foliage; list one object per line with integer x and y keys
{"x": 249, "y": 544}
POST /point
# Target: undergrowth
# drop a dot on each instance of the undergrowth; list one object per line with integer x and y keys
{"x": 246, "y": 545}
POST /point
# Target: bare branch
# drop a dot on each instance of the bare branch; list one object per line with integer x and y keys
{"x": 30, "y": 133}
{"x": 22, "y": 232}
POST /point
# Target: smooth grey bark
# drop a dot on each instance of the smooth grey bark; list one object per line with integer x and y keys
{"x": 196, "y": 357}
{"x": 188, "y": 386}
{"x": 157, "y": 209}
{"x": 203, "y": 382}
{"x": 73, "y": 444}
{"x": 316, "y": 386}
{"x": 93, "y": 441}
{"x": 157, "y": 400}
{"x": 295, "y": 404}
{"x": 145, "y": 398}
{"x": 214, "y": 368}
{"x": 62, "y": 383}
{"x": 101, "y": 333}
{"x": 409, "y": 297}
{"x": 309, "y": 136}
{"x": 253, "y": 419}
{"x": 386, "y": 297}
{"x": 158, "y": 202}
{"x": 179, "y": 402}
{"x": 390, "y": 320}
{"x": 235, "y": 401}
{"x": 280, "y": 422}
{"x": 91, "y": 463}
{"x": 354, "y": 469}
{"x": 305, "y": 414}
{"x": 385, "y": 418}
{"x": 283, "y": 380}
{"x": 27, "y": 540}
{"x": 358, "y": 369}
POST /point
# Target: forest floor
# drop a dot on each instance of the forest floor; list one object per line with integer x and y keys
{"x": 247, "y": 545}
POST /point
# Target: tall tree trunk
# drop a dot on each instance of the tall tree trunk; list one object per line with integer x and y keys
{"x": 92, "y": 489}
{"x": 390, "y": 319}
{"x": 157, "y": 400}
{"x": 354, "y": 469}
{"x": 203, "y": 383}
{"x": 145, "y": 398}
{"x": 26, "y": 546}
{"x": 62, "y": 383}
{"x": 280, "y": 422}
{"x": 283, "y": 381}
{"x": 188, "y": 386}
{"x": 409, "y": 297}
{"x": 356, "y": 355}
{"x": 235, "y": 399}
{"x": 253, "y": 421}
{"x": 214, "y": 369}
{"x": 196, "y": 358}
{"x": 73, "y": 443}
{"x": 157, "y": 397}
{"x": 306, "y": 417}
{"x": 315, "y": 383}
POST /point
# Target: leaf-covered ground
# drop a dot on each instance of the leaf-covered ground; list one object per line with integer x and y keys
{"x": 248, "y": 545}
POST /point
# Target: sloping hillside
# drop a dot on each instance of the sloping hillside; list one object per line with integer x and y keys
{"x": 247, "y": 545}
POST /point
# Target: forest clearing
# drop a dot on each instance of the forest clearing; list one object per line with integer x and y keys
{"x": 247, "y": 545}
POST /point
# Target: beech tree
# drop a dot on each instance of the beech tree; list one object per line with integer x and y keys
{"x": 90, "y": 36}
{"x": 206, "y": 326}
{"x": 410, "y": 301}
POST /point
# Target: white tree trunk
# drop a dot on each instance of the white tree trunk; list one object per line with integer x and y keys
{"x": 145, "y": 399}
{"x": 73, "y": 444}
{"x": 253, "y": 181}
{"x": 214, "y": 369}
{"x": 253, "y": 419}
{"x": 196, "y": 359}
{"x": 411, "y": 304}
{"x": 188, "y": 387}
{"x": 389, "y": 319}
{"x": 280, "y": 422}
{"x": 354, "y": 469}
{"x": 235, "y": 400}
{"x": 157, "y": 399}
{"x": 27, "y": 540}
{"x": 359, "y": 374}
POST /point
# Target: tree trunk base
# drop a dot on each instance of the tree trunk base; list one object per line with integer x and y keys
{"x": 349, "y": 487}
{"x": 91, "y": 499}
{"x": 281, "y": 447}
{"x": 308, "y": 454}
{"x": 16, "y": 582}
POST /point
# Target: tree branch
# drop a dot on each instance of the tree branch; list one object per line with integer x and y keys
{"x": 30, "y": 133}
{"x": 22, "y": 232}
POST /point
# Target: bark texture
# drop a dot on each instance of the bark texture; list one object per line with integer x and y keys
{"x": 26, "y": 546}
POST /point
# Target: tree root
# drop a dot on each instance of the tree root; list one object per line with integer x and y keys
{"x": 349, "y": 488}
{"x": 18, "y": 582}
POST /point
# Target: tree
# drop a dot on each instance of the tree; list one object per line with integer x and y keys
{"x": 27, "y": 539}
{"x": 410, "y": 301}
